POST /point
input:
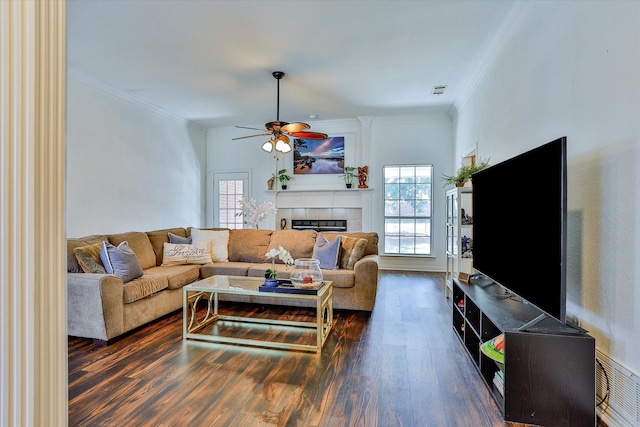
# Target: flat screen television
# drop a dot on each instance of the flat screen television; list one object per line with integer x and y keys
{"x": 520, "y": 225}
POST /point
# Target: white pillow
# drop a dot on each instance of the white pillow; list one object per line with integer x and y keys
{"x": 219, "y": 241}
{"x": 182, "y": 253}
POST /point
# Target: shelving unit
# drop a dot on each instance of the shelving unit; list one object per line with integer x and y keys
{"x": 458, "y": 216}
{"x": 548, "y": 373}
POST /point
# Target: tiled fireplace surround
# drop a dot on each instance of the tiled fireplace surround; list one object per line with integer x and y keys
{"x": 351, "y": 205}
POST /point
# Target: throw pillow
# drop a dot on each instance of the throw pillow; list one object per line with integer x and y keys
{"x": 179, "y": 240}
{"x": 327, "y": 252}
{"x": 121, "y": 261}
{"x": 352, "y": 251}
{"x": 89, "y": 258}
{"x": 219, "y": 242}
{"x": 178, "y": 254}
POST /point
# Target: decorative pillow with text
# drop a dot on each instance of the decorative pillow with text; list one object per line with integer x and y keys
{"x": 178, "y": 254}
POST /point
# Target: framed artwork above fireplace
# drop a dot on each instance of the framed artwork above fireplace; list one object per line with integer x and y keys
{"x": 314, "y": 157}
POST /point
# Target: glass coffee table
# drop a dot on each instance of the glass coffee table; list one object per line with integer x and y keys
{"x": 197, "y": 316}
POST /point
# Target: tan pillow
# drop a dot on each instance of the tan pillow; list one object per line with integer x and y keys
{"x": 72, "y": 243}
{"x": 299, "y": 243}
{"x": 352, "y": 251}
{"x": 89, "y": 258}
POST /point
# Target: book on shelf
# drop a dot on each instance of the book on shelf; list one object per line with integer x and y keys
{"x": 498, "y": 382}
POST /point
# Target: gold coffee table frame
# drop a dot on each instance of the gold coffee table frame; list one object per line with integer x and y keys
{"x": 209, "y": 290}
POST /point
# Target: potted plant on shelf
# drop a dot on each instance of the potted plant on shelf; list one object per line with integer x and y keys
{"x": 465, "y": 172}
{"x": 283, "y": 178}
{"x": 350, "y": 172}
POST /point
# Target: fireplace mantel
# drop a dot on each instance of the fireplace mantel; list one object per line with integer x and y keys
{"x": 352, "y": 204}
{"x": 317, "y": 190}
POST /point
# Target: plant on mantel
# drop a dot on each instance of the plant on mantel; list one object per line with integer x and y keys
{"x": 350, "y": 172}
{"x": 465, "y": 172}
{"x": 283, "y": 178}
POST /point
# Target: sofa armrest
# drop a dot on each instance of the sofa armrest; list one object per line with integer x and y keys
{"x": 366, "y": 279}
{"x": 95, "y": 305}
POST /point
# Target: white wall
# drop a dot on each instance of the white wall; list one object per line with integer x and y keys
{"x": 413, "y": 140}
{"x": 368, "y": 141}
{"x": 573, "y": 68}
{"x": 129, "y": 166}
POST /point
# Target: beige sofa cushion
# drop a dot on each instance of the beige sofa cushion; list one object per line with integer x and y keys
{"x": 225, "y": 269}
{"x": 139, "y": 243}
{"x": 299, "y": 243}
{"x": 72, "y": 261}
{"x": 177, "y": 275}
{"x": 159, "y": 237}
{"x": 340, "y": 278}
{"x": 248, "y": 245}
{"x": 143, "y": 287}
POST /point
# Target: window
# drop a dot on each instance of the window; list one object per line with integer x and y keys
{"x": 228, "y": 190}
{"x": 407, "y": 209}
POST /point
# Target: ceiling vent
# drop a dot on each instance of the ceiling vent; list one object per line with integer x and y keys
{"x": 439, "y": 90}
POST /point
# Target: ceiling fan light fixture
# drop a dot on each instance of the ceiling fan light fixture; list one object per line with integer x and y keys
{"x": 283, "y": 146}
{"x": 267, "y": 146}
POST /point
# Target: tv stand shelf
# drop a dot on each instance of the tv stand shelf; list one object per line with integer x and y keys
{"x": 549, "y": 369}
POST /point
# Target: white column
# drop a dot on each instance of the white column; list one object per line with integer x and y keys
{"x": 367, "y": 200}
{"x": 33, "y": 340}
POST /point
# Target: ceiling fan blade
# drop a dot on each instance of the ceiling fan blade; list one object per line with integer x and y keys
{"x": 310, "y": 135}
{"x": 251, "y": 136}
{"x": 295, "y": 127}
{"x": 246, "y": 127}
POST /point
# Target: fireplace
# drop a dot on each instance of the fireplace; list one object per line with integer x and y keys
{"x": 352, "y": 207}
{"x": 319, "y": 224}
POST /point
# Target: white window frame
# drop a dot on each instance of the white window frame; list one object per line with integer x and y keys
{"x": 389, "y": 239}
{"x": 214, "y": 191}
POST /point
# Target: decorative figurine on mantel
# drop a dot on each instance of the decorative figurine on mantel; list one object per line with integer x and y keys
{"x": 362, "y": 176}
{"x": 270, "y": 182}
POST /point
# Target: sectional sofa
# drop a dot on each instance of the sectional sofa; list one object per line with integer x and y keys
{"x": 103, "y": 306}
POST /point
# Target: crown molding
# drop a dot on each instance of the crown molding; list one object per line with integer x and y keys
{"x": 132, "y": 99}
{"x": 508, "y": 27}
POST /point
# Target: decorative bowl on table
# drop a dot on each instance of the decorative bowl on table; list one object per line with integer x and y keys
{"x": 306, "y": 273}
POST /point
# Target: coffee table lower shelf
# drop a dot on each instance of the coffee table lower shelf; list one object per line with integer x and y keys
{"x": 193, "y": 324}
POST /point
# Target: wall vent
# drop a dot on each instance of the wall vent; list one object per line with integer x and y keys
{"x": 622, "y": 407}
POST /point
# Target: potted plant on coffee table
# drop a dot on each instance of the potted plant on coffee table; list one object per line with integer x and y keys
{"x": 271, "y": 274}
{"x": 283, "y": 178}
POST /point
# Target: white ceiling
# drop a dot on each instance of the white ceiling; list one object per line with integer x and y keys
{"x": 211, "y": 61}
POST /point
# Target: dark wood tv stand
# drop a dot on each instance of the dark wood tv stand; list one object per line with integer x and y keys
{"x": 548, "y": 371}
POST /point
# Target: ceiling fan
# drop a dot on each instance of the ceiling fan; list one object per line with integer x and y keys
{"x": 281, "y": 131}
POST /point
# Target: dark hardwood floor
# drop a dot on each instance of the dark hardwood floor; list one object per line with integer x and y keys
{"x": 400, "y": 366}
